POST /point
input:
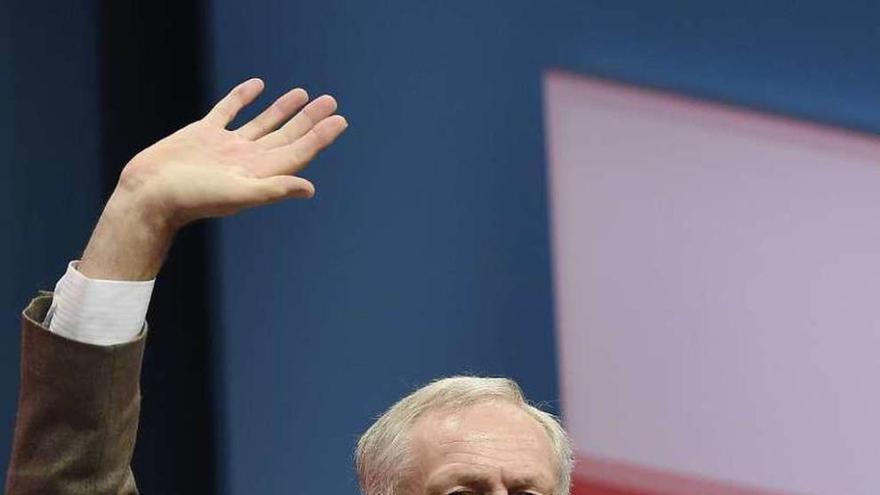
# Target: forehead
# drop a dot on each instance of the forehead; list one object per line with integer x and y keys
{"x": 492, "y": 442}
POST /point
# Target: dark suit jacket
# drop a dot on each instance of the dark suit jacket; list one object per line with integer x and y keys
{"x": 78, "y": 412}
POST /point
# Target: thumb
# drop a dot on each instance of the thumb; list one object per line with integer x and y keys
{"x": 278, "y": 188}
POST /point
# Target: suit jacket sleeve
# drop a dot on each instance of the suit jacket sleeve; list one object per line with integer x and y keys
{"x": 78, "y": 412}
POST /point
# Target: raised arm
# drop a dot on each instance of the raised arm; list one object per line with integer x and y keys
{"x": 79, "y": 402}
{"x": 205, "y": 170}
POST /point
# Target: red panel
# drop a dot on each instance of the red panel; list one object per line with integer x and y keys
{"x": 599, "y": 476}
{"x": 590, "y": 487}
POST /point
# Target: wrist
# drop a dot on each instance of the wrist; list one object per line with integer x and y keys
{"x": 140, "y": 209}
{"x": 130, "y": 240}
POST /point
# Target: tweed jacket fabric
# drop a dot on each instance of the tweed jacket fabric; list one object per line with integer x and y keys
{"x": 78, "y": 411}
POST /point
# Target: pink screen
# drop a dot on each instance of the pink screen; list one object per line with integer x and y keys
{"x": 717, "y": 279}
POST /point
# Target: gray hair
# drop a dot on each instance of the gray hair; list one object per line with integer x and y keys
{"x": 382, "y": 455}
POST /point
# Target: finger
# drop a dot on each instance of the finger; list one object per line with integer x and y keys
{"x": 293, "y": 157}
{"x": 272, "y": 189}
{"x": 277, "y": 113}
{"x": 227, "y": 108}
{"x": 316, "y": 111}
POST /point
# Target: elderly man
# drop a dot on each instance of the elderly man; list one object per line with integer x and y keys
{"x": 82, "y": 346}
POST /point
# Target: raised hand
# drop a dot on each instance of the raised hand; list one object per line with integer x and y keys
{"x": 206, "y": 170}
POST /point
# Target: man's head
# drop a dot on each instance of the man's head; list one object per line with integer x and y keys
{"x": 465, "y": 435}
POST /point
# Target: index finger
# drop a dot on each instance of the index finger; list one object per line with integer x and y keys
{"x": 228, "y": 107}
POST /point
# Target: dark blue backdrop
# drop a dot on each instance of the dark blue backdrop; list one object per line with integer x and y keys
{"x": 84, "y": 85}
{"x": 425, "y": 252}
{"x": 50, "y": 189}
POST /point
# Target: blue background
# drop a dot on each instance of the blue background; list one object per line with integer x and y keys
{"x": 426, "y": 251}
{"x": 50, "y": 188}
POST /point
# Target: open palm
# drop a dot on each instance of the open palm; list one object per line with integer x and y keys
{"x": 206, "y": 170}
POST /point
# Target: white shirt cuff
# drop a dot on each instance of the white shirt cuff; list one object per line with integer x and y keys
{"x": 99, "y": 312}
